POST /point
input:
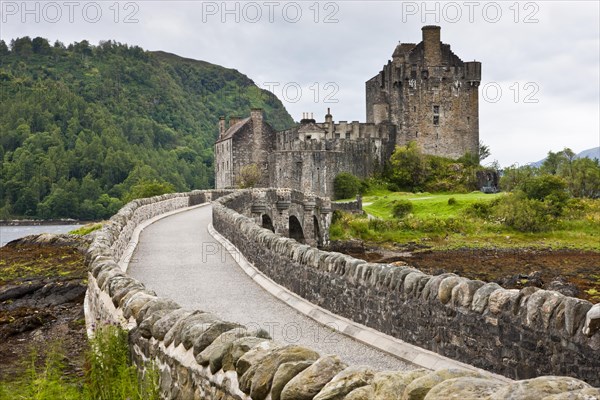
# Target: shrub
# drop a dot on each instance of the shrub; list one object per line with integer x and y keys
{"x": 523, "y": 214}
{"x": 346, "y": 186}
{"x": 541, "y": 187}
{"x": 392, "y": 187}
{"x": 249, "y": 176}
{"x": 479, "y": 209}
{"x": 401, "y": 208}
{"x": 452, "y": 201}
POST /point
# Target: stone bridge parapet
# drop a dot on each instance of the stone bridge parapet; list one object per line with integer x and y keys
{"x": 200, "y": 356}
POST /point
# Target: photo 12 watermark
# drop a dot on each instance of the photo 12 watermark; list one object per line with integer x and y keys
{"x": 253, "y": 12}
{"x": 452, "y": 12}
{"x": 54, "y": 12}
{"x": 518, "y": 92}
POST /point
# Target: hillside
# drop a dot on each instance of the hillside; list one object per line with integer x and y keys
{"x": 85, "y": 128}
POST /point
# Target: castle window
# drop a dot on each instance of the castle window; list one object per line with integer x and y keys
{"x": 436, "y": 119}
{"x": 436, "y": 115}
{"x": 436, "y": 109}
{"x": 347, "y": 135}
{"x": 308, "y": 137}
{"x": 337, "y": 135}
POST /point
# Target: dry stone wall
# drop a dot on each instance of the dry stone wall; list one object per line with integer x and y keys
{"x": 200, "y": 356}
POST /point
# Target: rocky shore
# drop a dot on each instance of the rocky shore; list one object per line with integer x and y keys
{"x": 42, "y": 288}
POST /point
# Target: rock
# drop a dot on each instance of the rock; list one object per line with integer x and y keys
{"x": 253, "y": 356}
{"x": 145, "y": 328}
{"x": 193, "y": 327}
{"x": 481, "y": 296}
{"x": 222, "y": 348}
{"x": 538, "y": 388}
{"x": 390, "y": 384}
{"x": 155, "y": 305}
{"x": 418, "y": 389}
{"x": 462, "y": 294}
{"x": 309, "y": 382}
{"x": 162, "y": 326}
{"x": 212, "y": 332}
{"x": 561, "y": 285}
{"x": 175, "y": 331}
{"x": 581, "y": 394}
{"x": 135, "y": 304}
{"x": 284, "y": 374}
{"x": 592, "y": 321}
{"x": 346, "y": 381}
{"x": 263, "y": 372}
{"x": 446, "y": 286}
{"x": 238, "y": 348}
{"x": 503, "y": 300}
{"x": 362, "y": 393}
{"x": 216, "y": 350}
{"x": 465, "y": 388}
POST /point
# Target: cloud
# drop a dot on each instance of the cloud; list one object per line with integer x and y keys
{"x": 554, "y": 45}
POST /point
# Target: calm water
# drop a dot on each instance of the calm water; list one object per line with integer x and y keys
{"x": 8, "y": 233}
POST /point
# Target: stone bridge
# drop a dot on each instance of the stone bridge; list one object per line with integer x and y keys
{"x": 284, "y": 320}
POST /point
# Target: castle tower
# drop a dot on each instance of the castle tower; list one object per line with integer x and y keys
{"x": 431, "y": 96}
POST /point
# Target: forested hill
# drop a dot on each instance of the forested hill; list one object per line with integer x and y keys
{"x": 85, "y": 128}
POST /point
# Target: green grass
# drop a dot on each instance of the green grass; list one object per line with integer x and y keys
{"x": 109, "y": 375}
{"x": 425, "y": 204}
{"x": 437, "y": 225}
{"x": 88, "y": 228}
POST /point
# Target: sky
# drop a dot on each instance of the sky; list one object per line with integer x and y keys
{"x": 540, "y": 88}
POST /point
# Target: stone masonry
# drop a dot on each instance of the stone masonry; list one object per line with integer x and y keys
{"x": 424, "y": 94}
{"x": 200, "y": 356}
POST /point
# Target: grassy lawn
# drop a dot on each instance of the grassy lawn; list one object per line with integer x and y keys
{"x": 425, "y": 204}
{"x": 440, "y": 226}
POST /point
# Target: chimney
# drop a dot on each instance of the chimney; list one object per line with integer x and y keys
{"x": 257, "y": 116}
{"x": 329, "y": 122}
{"x": 432, "y": 45}
{"x": 221, "y": 126}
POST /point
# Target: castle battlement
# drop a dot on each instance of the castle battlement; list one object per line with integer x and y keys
{"x": 425, "y": 93}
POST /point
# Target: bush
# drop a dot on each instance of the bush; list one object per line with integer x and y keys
{"x": 346, "y": 186}
{"x": 523, "y": 214}
{"x": 401, "y": 208}
{"x": 479, "y": 209}
{"x": 452, "y": 201}
{"x": 541, "y": 187}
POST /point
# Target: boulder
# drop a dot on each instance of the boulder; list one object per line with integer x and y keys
{"x": 389, "y": 385}
{"x": 263, "y": 372}
{"x": 538, "y": 388}
{"x": 309, "y": 382}
{"x": 418, "y": 389}
{"x": 581, "y": 394}
{"x": 284, "y": 374}
{"x": 362, "y": 393}
{"x": 465, "y": 388}
{"x": 238, "y": 348}
{"x": 346, "y": 381}
{"x": 162, "y": 326}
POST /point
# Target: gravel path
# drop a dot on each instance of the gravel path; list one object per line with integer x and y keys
{"x": 179, "y": 259}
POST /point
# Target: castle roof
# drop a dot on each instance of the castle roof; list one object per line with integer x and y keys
{"x": 234, "y": 129}
{"x": 310, "y": 127}
{"x": 403, "y": 48}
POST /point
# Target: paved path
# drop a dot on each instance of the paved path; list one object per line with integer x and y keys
{"x": 179, "y": 259}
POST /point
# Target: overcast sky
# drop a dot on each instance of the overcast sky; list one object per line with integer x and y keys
{"x": 541, "y": 69}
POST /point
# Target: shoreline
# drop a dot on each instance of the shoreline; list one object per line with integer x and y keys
{"x": 43, "y": 222}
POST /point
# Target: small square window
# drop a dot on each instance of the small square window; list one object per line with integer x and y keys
{"x": 436, "y": 119}
{"x": 347, "y": 135}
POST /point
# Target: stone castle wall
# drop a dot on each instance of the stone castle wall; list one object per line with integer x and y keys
{"x": 200, "y": 356}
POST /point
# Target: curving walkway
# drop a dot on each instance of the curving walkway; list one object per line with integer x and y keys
{"x": 179, "y": 259}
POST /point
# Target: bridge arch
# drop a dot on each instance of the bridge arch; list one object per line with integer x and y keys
{"x": 267, "y": 222}
{"x": 295, "y": 229}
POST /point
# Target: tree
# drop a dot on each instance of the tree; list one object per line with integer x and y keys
{"x": 346, "y": 186}
{"x": 148, "y": 189}
{"x": 484, "y": 151}
{"x": 3, "y": 48}
{"x": 40, "y": 45}
{"x": 249, "y": 176}
{"x": 409, "y": 166}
